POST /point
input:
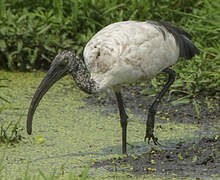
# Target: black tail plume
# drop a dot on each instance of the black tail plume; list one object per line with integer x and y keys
{"x": 183, "y": 39}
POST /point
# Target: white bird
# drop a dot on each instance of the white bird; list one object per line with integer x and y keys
{"x": 120, "y": 53}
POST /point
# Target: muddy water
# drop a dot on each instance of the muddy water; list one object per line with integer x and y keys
{"x": 68, "y": 135}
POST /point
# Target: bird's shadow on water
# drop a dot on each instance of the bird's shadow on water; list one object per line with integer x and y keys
{"x": 140, "y": 147}
{"x": 137, "y": 147}
{"x": 134, "y": 147}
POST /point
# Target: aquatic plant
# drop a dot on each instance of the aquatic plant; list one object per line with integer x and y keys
{"x": 10, "y": 133}
{"x": 33, "y": 33}
{"x": 1, "y": 97}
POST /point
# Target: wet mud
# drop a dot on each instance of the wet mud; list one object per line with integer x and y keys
{"x": 198, "y": 159}
{"x": 195, "y": 160}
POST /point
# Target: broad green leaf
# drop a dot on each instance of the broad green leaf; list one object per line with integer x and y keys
{"x": 148, "y": 91}
{"x": 43, "y": 30}
{"x": 181, "y": 101}
{"x": 3, "y": 45}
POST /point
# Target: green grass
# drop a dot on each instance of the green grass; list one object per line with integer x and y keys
{"x": 1, "y": 97}
{"x": 33, "y": 33}
{"x": 10, "y": 133}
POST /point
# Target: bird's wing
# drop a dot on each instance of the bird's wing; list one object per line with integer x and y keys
{"x": 127, "y": 51}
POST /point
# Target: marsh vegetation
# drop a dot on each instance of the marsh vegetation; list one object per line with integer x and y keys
{"x": 82, "y": 139}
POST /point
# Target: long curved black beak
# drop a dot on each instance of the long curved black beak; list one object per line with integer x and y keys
{"x": 52, "y": 76}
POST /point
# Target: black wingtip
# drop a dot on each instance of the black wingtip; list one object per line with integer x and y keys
{"x": 187, "y": 49}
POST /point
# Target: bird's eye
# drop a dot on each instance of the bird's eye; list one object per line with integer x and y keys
{"x": 65, "y": 61}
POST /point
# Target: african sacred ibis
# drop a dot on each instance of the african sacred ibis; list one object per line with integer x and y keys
{"x": 120, "y": 53}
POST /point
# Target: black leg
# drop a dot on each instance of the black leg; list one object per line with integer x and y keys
{"x": 153, "y": 108}
{"x": 123, "y": 120}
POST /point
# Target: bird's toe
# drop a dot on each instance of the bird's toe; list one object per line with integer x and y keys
{"x": 154, "y": 139}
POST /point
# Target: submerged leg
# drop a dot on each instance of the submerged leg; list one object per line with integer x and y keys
{"x": 153, "y": 108}
{"x": 123, "y": 120}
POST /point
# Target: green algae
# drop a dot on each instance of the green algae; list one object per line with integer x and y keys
{"x": 70, "y": 134}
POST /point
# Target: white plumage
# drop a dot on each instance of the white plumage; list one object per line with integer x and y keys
{"x": 120, "y": 53}
{"x": 126, "y": 51}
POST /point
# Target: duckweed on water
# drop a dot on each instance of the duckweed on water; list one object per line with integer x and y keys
{"x": 70, "y": 134}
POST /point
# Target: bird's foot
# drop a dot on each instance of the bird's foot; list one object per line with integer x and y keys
{"x": 151, "y": 136}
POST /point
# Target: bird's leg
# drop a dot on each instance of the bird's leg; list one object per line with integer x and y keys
{"x": 153, "y": 108}
{"x": 123, "y": 120}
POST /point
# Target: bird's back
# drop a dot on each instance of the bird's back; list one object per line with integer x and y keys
{"x": 126, "y": 51}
